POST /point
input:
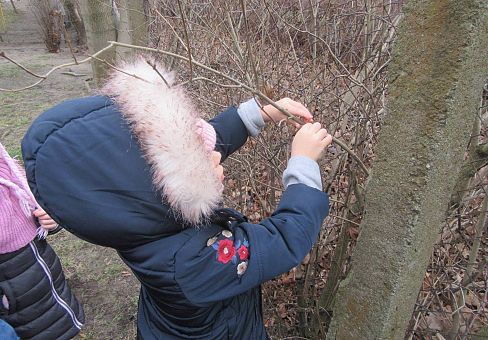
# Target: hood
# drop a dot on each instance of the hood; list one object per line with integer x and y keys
{"x": 163, "y": 119}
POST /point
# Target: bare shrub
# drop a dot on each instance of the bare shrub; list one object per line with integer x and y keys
{"x": 50, "y": 17}
{"x": 333, "y": 56}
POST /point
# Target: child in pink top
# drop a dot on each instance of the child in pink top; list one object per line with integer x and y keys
{"x": 25, "y": 256}
{"x": 18, "y": 208}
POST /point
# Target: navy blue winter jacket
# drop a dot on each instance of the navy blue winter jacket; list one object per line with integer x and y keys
{"x": 89, "y": 169}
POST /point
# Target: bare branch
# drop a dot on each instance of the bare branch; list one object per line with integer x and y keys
{"x": 2, "y": 54}
{"x": 248, "y": 88}
{"x": 44, "y": 77}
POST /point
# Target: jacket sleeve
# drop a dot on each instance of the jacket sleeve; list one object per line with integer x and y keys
{"x": 231, "y": 132}
{"x": 215, "y": 265}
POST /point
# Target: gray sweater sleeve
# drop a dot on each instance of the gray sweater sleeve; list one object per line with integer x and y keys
{"x": 303, "y": 170}
{"x": 250, "y": 114}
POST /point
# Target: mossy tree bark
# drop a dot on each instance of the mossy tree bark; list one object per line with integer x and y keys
{"x": 436, "y": 77}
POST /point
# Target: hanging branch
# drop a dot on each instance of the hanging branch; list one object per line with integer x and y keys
{"x": 44, "y": 77}
{"x": 153, "y": 65}
{"x": 186, "y": 38}
{"x": 3, "y": 55}
{"x": 254, "y": 91}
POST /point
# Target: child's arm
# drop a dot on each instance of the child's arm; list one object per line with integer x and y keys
{"x": 235, "y": 125}
{"x": 215, "y": 265}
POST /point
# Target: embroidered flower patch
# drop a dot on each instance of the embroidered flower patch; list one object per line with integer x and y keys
{"x": 230, "y": 251}
{"x": 225, "y": 251}
{"x": 243, "y": 252}
{"x": 241, "y": 268}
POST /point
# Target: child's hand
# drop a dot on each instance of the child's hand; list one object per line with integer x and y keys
{"x": 44, "y": 219}
{"x": 310, "y": 141}
{"x": 269, "y": 112}
{"x": 219, "y": 170}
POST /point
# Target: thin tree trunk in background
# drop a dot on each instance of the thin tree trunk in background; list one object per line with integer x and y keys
{"x": 436, "y": 77}
{"x": 13, "y": 5}
{"x": 100, "y": 29}
{"x": 133, "y": 27}
{"x": 73, "y": 8}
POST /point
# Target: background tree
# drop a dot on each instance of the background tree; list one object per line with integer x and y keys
{"x": 100, "y": 28}
{"x": 437, "y": 74}
{"x": 74, "y": 13}
{"x": 111, "y": 20}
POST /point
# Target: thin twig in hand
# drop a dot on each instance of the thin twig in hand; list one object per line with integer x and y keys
{"x": 255, "y": 92}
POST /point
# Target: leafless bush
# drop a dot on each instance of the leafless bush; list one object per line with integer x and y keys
{"x": 49, "y": 15}
{"x": 332, "y": 55}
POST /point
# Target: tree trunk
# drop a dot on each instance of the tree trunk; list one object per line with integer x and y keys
{"x": 99, "y": 30}
{"x": 133, "y": 28}
{"x": 73, "y": 8}
{"x": 436, "y": 77}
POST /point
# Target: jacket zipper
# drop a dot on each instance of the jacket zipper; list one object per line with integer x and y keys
{"x": 58, "y": 298}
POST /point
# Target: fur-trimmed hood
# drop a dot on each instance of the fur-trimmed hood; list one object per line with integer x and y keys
{"x": 163, "y": 119}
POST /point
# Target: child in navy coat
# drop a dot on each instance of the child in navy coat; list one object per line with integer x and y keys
{"x": 137, "y": 170}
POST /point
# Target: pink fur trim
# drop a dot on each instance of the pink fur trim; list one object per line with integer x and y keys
{"x": 164, "y": 119}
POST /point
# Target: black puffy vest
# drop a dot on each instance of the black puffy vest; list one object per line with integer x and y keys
{"x": 41, "y": 304}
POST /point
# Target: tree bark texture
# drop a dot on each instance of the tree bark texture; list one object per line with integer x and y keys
{"x": 73, "y": 8}
{"x": 134, "y": 28}
{"x": 436, "y": 76}
{"x": 100, "y": 29}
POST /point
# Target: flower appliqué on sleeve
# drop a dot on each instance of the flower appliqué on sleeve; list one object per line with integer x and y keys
{"x": 229, "y": 250}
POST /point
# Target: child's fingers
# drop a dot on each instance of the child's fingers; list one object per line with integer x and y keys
{"x": 322, "y": 133}
{"x": 299, "y": 110}
{"x": 315, "y": 127}
{"x": 327, "y": 140}
{"x": 216, "y": 157}
{"x": 296, "y": 109}
{"x": 49, "y": 225}
{"x": 39, "y": 212}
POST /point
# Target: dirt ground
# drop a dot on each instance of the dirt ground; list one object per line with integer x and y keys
{"x": 102, "y": 282}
